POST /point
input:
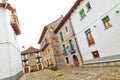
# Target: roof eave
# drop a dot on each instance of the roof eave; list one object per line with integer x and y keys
{"x": 67, "y": 15}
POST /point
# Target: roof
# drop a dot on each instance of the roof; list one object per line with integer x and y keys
{"x": 45, "y": 29}
{"x": 67, "y": 15}
{"x": 7, "y": 6}
{"x": 30, "y": 50}
{"x": 42, "y": 35}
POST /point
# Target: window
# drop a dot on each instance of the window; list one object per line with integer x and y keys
{"x": 31, "y": 54}
{"x": 106, "y": 21}
{"x": 64, "y": 49}
{"x": 66, "y": 29}
{"x": 88, "y": 6}
{"x": 61, "y": 36}
{"x": 67, "y": 60}
{"x": 71, "y": 45}
{"x": 38, "y": 60}
{"x": 50, "y": 61}
{"x": 82, "y": 14}
{"x": 89, "y": 37}
{"x": 95, "y": 54}
{"x": 48, "y": 49}
{"x": 57, "y": 53}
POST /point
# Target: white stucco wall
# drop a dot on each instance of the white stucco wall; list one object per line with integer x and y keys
{"x": 106, "y": 41}
{"x": 10, "y": 59}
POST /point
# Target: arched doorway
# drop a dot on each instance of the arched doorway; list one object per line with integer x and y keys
{"x": 75, "y": 60}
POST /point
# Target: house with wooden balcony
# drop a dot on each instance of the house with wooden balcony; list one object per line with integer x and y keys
{"x": 67, "y": 43}
{"x": 49, "y": 46}
{"x": 31, "y": 60}
{"x": 10, "y": 61}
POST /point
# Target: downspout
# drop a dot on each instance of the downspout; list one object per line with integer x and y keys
{"x": 76, "y": 41}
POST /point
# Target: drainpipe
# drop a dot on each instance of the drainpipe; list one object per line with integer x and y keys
{"x": 76, "y": 41}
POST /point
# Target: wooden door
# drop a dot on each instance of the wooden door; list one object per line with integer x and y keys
{"x": 26, "y": 70}
{"x": 40, "y": 67}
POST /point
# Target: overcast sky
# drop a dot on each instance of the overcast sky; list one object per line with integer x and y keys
{"x": 35, "y": 14}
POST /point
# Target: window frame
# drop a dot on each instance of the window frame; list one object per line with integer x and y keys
{"x": 82, "y": 11}
{"x": 89, "y": 36}
{"x": 95, "y": 54}
{"x": 61, "y": 36}
{"x": 64, "y": 48}
{"x": 66, "y": 29}
{"x": 87, "y": 6}
{"x": 67, "y": 60}
{"x": 106, "y": 22}
{"x": 71, "y": 44}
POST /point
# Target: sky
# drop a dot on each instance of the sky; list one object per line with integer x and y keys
{"x": 33, "y": 15}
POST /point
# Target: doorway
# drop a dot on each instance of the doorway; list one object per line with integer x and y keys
{"x": 75, "y": 60}
{"x": 26, "y": 70}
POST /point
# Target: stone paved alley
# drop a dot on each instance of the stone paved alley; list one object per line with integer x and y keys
{"x": 77, "y": 73}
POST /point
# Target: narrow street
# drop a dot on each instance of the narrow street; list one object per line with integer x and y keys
{"x": 77, "y": 73}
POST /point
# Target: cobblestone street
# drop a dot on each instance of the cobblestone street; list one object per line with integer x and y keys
{"x": 77, "y": 73}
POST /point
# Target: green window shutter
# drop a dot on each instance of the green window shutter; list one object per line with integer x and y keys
{"x": 105, "y": 19}
{"x": 87, "y": 31}
{"x": 61, "y": 36}
{"x": 66, "y": 29}
{"x": 64, "y": 49}
{"x": 82, "y": 13}
{"x": 71, "y": 45}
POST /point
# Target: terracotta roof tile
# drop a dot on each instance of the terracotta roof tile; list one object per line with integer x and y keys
{"x": 30, "y": 50}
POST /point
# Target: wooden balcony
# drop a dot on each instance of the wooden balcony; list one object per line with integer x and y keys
{"x": 38, "y": 62}
{"x": 24, "y": 59}
{"x": 38, "y": 57}
{"x": 15, "y": 24}
{"x": 25, "y": 65}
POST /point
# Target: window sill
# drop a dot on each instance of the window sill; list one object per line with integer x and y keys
{"x": 82, "y": 18}
{"x": 108, "y": 27}
{"x": 91, "y": 44}
{"x": 89, "y": 10}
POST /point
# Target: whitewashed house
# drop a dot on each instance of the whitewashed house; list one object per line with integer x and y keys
{"x": 10, "y": 59}
{"x": 96, "y": 25}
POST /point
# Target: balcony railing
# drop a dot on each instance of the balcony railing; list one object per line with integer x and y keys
{"x": 24, "y": 59}
{"x": 25, "y": 65}
{"x": 38, "y": 62}
{"x": 15, "y": 24}
{"x": 44, "y": 44}
{"x": 38, "y": 57}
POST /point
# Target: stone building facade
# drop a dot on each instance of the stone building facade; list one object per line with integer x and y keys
{"x": 50, "y": 55}
{"x": 31, "y": 60}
